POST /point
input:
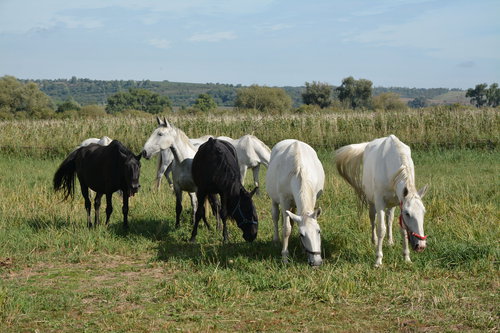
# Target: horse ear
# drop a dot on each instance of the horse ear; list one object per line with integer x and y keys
{"x": 317, "y": 213}
{"x": 405, "y": 192}
{"x": 165, "y": 122}
{"x": 294, "y": 217}
{"x": 254, "y": 191}
{"x": 159, "y": 120}
{"x": 423, "y": 191}
{"x": 138, "y": 157}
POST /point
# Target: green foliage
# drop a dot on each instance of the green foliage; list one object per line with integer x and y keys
{"x": 69, "y": 104}
{"x": 493, "y": 95}
{"x": 205, "y": 103}
{"x": 23, "y": 100}
{"x": 263, "y": 99}
{"x": 388, "y": 102}
{"x": 138, "y": 99}
{"x": 478, "y": 95}
{"x": 318, "y": 93}
{"x": 419, "y": 102}
{"x": 355, "y": 93}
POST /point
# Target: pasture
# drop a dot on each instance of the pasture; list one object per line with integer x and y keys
{"x": 57, "y": 275}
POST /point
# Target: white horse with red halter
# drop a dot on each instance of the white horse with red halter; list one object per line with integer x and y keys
{"x": 295, "y": 178}
{"x": 383, "y": 175}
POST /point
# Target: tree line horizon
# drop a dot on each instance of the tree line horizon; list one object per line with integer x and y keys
{"x": 22, "y": 98}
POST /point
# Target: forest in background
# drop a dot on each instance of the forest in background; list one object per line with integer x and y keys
{"x": 181, "y": 94}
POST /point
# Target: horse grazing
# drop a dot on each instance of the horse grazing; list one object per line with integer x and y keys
{"x": 104, "y": 169}
{"x": 251, "y": 153}
{"x": 169, "y": 138}
{"x": 383, "y": 175}
{"x": 215, "y": 171}
{"x": 166, "y": 159}
{"x": 295, "y": 179}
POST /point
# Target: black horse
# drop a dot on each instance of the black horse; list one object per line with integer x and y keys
{"x": 103, "y": 169}
{"x": 215, "y": 171}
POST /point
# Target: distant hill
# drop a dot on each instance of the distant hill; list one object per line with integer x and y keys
{"x": 86, "y": 91}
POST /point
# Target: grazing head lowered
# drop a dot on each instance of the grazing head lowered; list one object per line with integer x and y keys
{"x": 310, "y": 235}
{"x": 412, "y": 218}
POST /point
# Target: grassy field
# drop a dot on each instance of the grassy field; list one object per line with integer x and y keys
{"x": 56, "y": 275}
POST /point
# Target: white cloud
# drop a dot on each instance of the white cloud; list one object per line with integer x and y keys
{"x": 213, "y": 37}
{"x": 159, "y": 43}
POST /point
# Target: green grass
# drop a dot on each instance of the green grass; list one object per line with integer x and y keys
{"x": 56, "y": 275}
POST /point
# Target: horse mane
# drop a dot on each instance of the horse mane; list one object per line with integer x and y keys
{"x": 404, "y": 173}
{"x": 306, "y": 193}
{"x": 183, "y": 137}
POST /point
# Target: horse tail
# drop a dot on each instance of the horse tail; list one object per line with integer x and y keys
{"x": 64, "y": 178}
{"x": 348, "y": 160}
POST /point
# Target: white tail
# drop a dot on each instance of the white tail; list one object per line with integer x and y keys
{"x": 349, "y": 160}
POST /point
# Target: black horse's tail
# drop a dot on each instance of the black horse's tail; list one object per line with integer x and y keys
{"x": 64, "y": 178}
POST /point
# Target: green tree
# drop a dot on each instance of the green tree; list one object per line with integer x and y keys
{"x": 68, "y": 104}
{"x": 138, "y": 99}
{"x": 355, "y": 93}
{"x": 388, "y": 101}
{"x": 24, "y": 100}
{"x": 478, "y": 95}
{"x": 419, "y": 102}
{"x": 205, "y": 103}
{"x": 318, "y": 93}
{"x": 263, "y": 98}
{"x": 493, "y": 95}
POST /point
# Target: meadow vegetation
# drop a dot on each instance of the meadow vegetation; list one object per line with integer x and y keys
{"x": 56, "y": 275}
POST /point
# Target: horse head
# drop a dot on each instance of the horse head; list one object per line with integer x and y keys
{"x": 310, "y": 235}
{"x": 412, "y": 218}
{"x": 245, "y": 215}
{"x": 161, "y": 139}
{"x": 132, "y": 173}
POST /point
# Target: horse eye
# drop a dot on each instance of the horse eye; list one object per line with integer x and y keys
{"x": 160, "y": 134}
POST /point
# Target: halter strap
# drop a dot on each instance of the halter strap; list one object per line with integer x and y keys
{"x": 307, "y": 250}
{"x": 245, "y": 220}
{"x": 403, "y": 225}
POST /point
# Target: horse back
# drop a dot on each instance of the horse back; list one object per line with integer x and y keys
{"x": 215, "y": 166}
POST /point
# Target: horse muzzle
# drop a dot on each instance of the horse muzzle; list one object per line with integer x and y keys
{"x": 145, "y": 154}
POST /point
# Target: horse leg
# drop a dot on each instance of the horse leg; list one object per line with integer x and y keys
{"x": 167, "y": 174}
{"x": 372, "y": 213}
{"x": 159, "y": 175}
{"x": 243, "y": 172}
{"x": 125, "y": 210}
{"x": 178, "y": 206}
{"x": 406, "y": 249}
{"x": 224, "y": 217}
{"x": 275, "y": 212}
{"x": 97, "y": 207}
{"x": 109, "y": 206}
{"x": 287, "y": 229}
{"x": 194, "y": 204}
{"x": 255, "y": 171}
{"x": 88, "y": 204}
{"x": 390, "y": 218}
{"x": 214, "y": 202}
{"x": 381, "y": 229}
{"x": 200, "y": 212}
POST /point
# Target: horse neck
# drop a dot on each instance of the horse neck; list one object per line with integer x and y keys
{"x": 404, "y": 178}
{"x": 263, "y": 152}
{"x": 305, "y": 198}
{"x": 183, "y": 147}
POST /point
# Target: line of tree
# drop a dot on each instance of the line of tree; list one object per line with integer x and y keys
{"x": 482, "y": 95}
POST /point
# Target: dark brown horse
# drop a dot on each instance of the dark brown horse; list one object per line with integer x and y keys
{"x": 215, "y": 171}
{"x": 103, "y": 169}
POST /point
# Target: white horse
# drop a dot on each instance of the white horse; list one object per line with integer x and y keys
{"x": 295, "y": 178}
{"x": 166, "y": 159}
{"x": 165, "y": 137}
{"x": 383, "y": 175}
{"x": 104, "y": 141}
{"x": 251, "y": 153}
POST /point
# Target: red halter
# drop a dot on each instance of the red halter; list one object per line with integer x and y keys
{"x": 402, "y": 224}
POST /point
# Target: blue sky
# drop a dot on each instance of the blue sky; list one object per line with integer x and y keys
{"x": 408, "y": 43}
